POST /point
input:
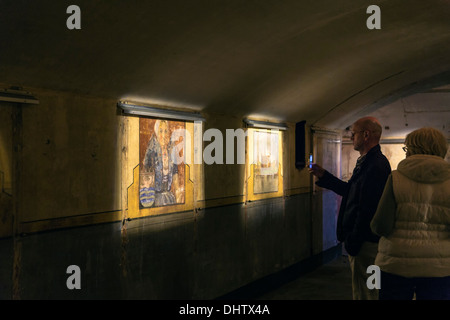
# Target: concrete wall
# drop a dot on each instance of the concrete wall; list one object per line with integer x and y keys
{"x": 70, "y": 187}
{"x": 393, "y": 152}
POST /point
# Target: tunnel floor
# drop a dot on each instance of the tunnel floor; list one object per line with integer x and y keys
{"x": 331, "y": 281}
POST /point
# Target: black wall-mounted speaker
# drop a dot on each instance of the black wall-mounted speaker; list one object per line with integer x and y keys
{"x": 300, "y": 157}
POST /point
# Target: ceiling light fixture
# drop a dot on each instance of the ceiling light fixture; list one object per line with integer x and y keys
{"x": 16, "y": 94}
{"x": 140, "y": 110}
{"x": 265, "y": 125}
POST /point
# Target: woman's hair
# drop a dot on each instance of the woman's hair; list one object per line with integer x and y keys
{"x": 427, "y": 141}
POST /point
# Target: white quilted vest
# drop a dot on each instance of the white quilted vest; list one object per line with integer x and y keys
{"x": 419, "y": 245}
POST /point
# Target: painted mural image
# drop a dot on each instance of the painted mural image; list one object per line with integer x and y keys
{"x": 265, "y": 160}
{"x": 162, "y": 170}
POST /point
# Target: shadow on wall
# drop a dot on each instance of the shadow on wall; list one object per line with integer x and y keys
{"x": 6, "y": 150}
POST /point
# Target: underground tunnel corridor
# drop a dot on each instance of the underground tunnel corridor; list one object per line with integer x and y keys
{"x": 162, "y": 146}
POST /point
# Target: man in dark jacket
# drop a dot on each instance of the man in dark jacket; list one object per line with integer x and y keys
{"x": 360, "y": 196}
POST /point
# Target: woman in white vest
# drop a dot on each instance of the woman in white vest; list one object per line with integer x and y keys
{"x": 413, "y": 220}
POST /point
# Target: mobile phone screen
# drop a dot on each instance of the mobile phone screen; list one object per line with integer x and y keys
{"x": 310, "y": 160}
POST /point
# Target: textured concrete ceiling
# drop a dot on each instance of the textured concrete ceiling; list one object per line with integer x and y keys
{"x": 287, "y": 60}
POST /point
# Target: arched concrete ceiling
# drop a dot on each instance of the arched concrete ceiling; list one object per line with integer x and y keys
{"x": 288, "y": 60}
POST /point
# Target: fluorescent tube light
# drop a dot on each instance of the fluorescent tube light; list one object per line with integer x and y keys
{"x": 265, "y": 124}
{"x": 139, "y": 110}
{"x": 17, "y": 95}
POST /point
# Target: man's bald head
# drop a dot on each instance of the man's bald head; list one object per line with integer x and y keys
{"x": 366, "y": 134}
{"x": 370, "y": 124}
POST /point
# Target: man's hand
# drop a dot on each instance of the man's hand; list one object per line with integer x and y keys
{"x": 316, "y": 170}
